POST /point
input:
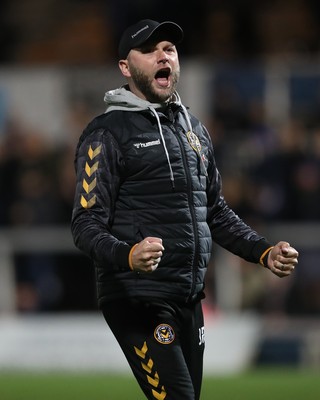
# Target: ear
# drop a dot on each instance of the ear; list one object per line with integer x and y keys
{"x": 124, "y": 68}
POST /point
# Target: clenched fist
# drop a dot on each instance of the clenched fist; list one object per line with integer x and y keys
{"x": 146, "y": 255}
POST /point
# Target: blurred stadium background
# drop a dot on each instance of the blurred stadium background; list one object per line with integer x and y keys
{"x": 250, "y": 71}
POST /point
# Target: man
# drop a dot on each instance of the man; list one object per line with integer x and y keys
{"x": 148, "y": 204}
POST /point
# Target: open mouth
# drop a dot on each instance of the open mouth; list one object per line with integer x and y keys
{"x": 162, "y": 77}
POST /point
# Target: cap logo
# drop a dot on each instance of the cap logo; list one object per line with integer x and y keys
{"x": 139, "y": 31}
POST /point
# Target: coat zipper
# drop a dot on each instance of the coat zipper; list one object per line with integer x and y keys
{"x": 193, "y": 214}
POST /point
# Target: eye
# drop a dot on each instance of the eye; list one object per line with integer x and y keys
{"x": 170, "y": 49}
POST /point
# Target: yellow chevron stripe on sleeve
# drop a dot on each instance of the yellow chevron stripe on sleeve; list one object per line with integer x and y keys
{"x": 90, "y": 170}
{"x": 89, "y": 203}
{"x": 93, "y": 153}
{"x": 88, "y": 187}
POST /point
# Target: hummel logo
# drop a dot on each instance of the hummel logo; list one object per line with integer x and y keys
{"x": 147, "y": 144}
{"x": 139, "y": 31}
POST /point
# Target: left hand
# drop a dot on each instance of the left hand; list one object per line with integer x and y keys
{"x": 282, "y": 259}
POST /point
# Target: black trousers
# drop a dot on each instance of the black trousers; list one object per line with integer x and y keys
{"x": 163, "y": 343}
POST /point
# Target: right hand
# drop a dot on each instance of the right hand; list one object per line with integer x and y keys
{"x": 147, "y": 255}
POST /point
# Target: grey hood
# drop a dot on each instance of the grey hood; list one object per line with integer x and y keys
{"x": 124, "y": 100}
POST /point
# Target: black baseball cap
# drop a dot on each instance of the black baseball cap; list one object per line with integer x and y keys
{"x": 138, "y": 34}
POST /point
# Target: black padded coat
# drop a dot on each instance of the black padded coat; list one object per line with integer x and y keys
{"x": 134, "y": 181}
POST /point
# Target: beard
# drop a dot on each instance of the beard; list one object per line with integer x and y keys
{"x": 144, "y": 84}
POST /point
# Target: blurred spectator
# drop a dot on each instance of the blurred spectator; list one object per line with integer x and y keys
{"x": 26, "y": 173}
{"x": 286, "y": 27}
{"x": 287, "y": 183}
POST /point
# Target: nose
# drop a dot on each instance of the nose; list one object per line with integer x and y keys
{"x": 163, "y": 58}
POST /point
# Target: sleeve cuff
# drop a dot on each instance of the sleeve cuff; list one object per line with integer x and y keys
{"x": 122, "y": 256}
{"x": 264, "y": 257}
{"x": 260, "y": 250}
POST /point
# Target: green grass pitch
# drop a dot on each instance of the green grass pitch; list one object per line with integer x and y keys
{"x": 275, "y": 384}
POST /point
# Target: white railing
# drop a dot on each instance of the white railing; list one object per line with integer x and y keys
{"x": 27, "y": 240}
{"x": 59, "y": 240}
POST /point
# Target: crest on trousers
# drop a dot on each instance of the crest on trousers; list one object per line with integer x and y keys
{"x": 164, "y": 334}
